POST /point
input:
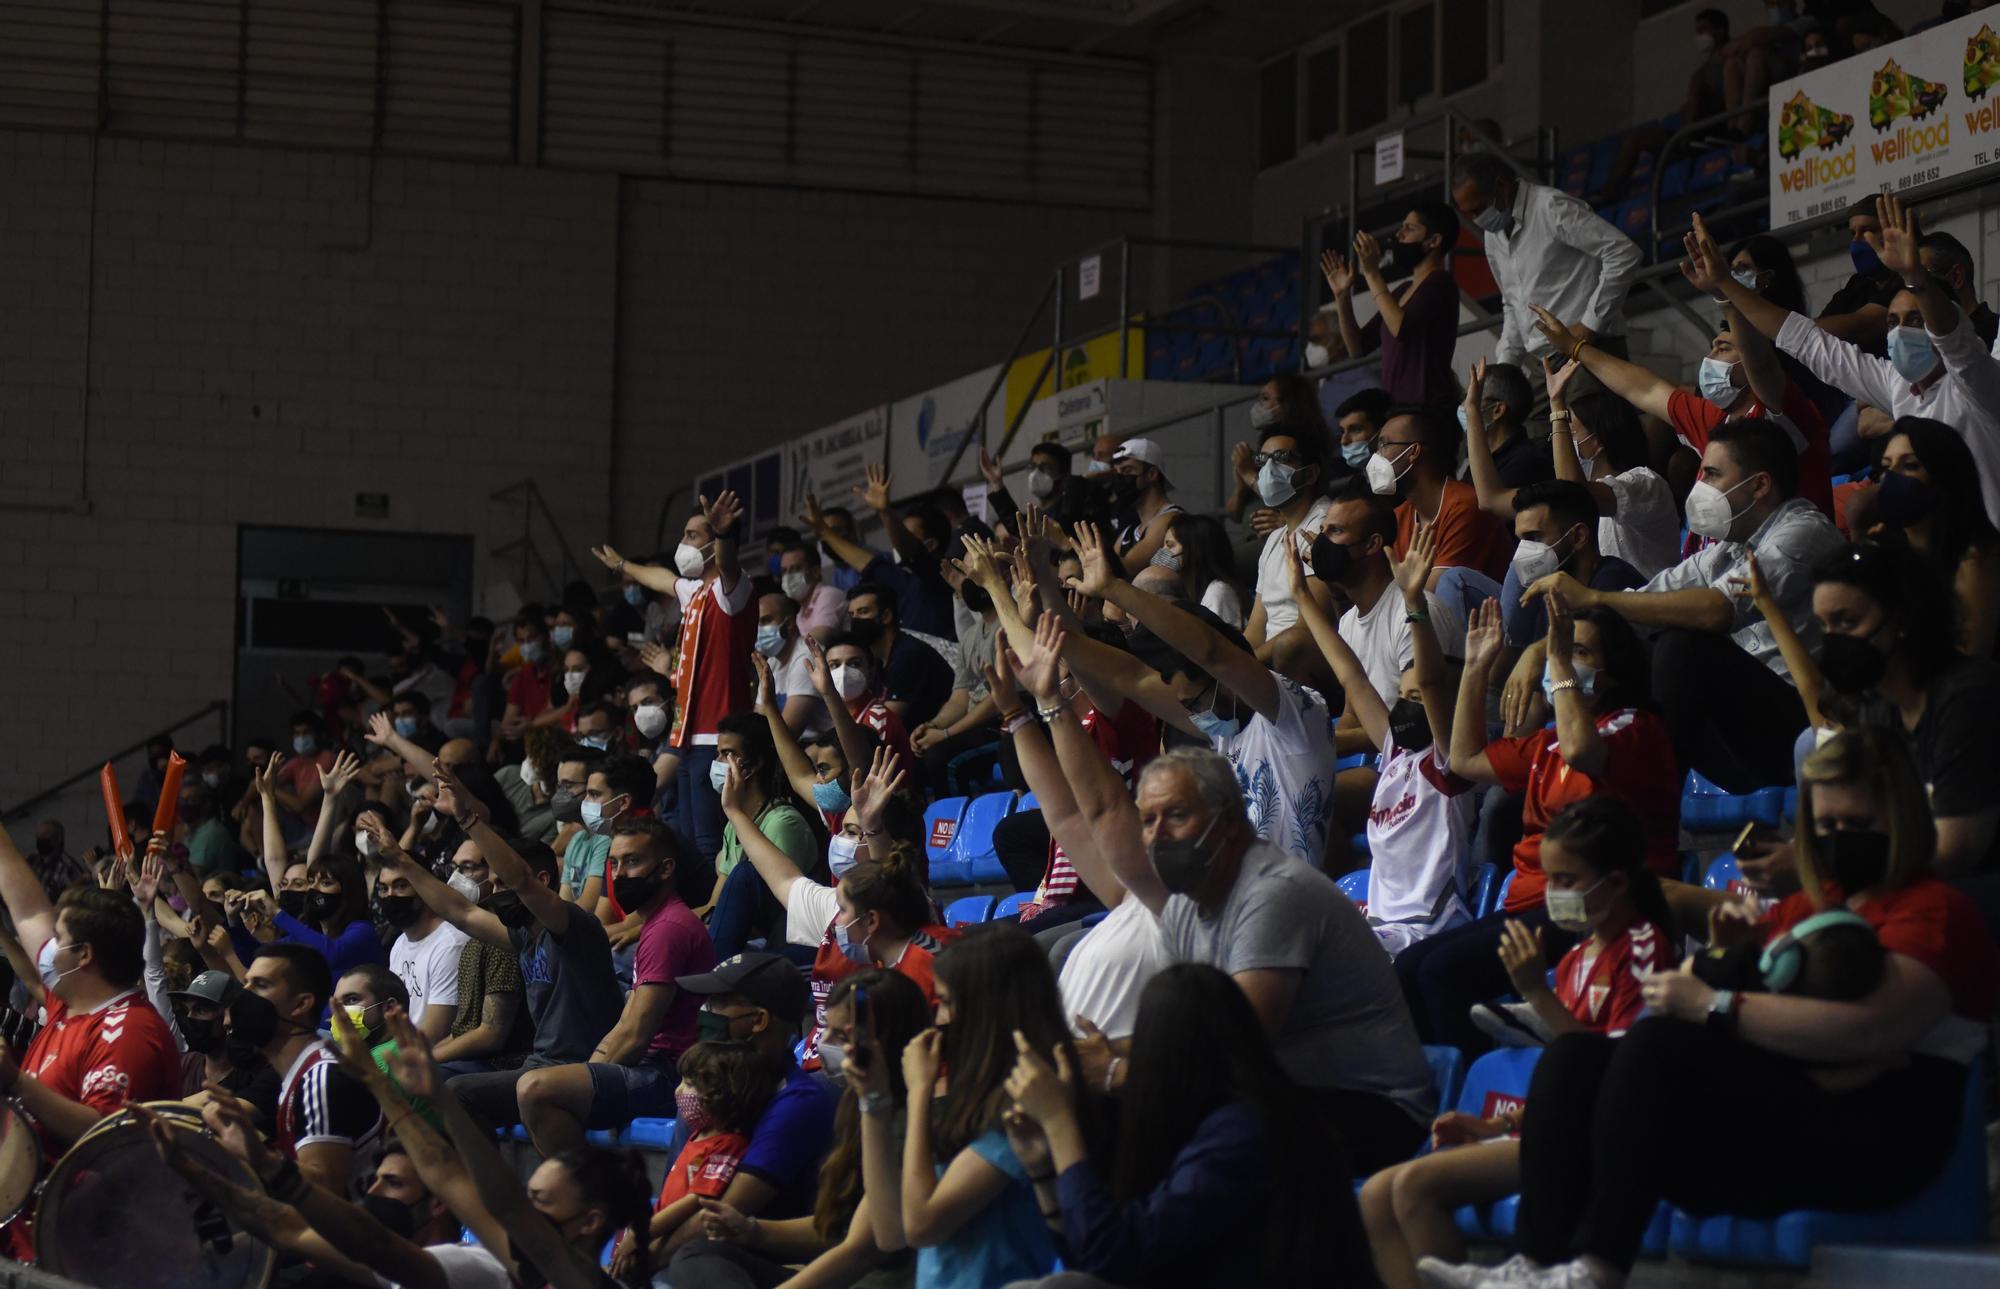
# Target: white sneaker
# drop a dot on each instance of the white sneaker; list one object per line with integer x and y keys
{"x": 1567, "y": 1275}
{"x": 1439, "y": 1274}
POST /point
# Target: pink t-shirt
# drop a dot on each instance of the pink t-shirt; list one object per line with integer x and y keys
{"x": 673, "y": 943}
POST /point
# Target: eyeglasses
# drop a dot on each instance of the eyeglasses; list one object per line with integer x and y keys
{"x": 1381, "y": 443}
{"x": 1283, "y": 456}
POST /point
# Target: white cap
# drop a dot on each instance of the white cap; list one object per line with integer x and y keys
{"x": 1143, "y": 450}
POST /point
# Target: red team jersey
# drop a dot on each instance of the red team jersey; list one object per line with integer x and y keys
{"x": 1601, "y": 987}
{"x": 119, "y": 1052}
{"x": 704, "y": 1167}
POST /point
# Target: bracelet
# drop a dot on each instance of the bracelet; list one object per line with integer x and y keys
{"x": 1577, "y": 348}
{"x": 1559, "y": 686}
{"x": 750, "y": 1235}
{"x": 1049, "y": 713}
{"x": 1111, "y": 1072}
{"x": 1558, "y": 415}
{"x": 1417, "y": 615}
{"x": 1016, "y": 722}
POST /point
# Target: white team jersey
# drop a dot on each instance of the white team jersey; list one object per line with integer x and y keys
{"x": 1420, "y": 829}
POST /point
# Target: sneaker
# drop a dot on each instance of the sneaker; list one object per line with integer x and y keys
{"x": 1439, "y": 1274}
{"x": 1567, "y": 1275}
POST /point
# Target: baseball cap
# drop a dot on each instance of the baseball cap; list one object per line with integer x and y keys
{"x": 771, "y": 982}
{"x": 1144, "y": 450}
{"x": 216, "y": 987}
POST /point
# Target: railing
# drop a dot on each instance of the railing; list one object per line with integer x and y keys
{"x": 1688, "y": 130}
{"x": 219, "y": 709}
{"x": 527, "y": 550}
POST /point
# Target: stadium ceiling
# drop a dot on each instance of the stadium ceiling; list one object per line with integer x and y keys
{"x": 1120, "y": 28}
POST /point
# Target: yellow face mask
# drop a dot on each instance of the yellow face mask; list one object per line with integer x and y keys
{"x": 357, "y": 1016}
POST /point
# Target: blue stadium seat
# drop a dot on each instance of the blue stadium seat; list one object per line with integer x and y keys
{"x": 1707, "y": 808}
{"x": 1361, "y": 846}
{"x": 1951, "y": 1210}
{"x": 969, "y": 910}
{"x": 941, "y": 823}
{"x": 972, "y": 847}
{"x": 650, "y": 1134}
{"x": 1028, "y": 801}
{"x": 1447, "y": 1071}
{"x": 1722, "y": 874}
{"x": 1353, "y": 761}
{"x": 1498, "y": 1078}
{"x": 1008, "y": 907}
{"x": 1673, "y": 180}
{"x": 1092, "y": 919}
{"x": 1500, "y": 890}
{"x": 1709, "y": 170}
{"x": 1482, "y": 891}
{"x": 1354, "y": 886}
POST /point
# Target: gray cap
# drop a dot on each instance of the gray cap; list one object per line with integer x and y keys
{"x": 216, "y": 987}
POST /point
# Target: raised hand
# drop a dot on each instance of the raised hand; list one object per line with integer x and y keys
{"x": 1572, "y": 591}
{"x": 415, "y": 1068}
{"x": 1556, "y": 331}
{"x": 1096, "y": 578}
{"x": 456, "y": 800}
{"x": 391, "y": 849}
{"x": 655, "y": 658}
{"x": 1413, "y": 571}
{"x": 1028, "y": 1142}
{"x": 1368, "y": 256}
{"x": 871, "y": 791}
{"x": 1241, "y": 460}
{"x": 1896, "y": 244}
{"x": 267, "y": 781}
{"x": 1485, "y": 638}
{"x": 989, "y": 466}
{"x": 608, "y": 557}
{"x": 1475, "y": 391}
{"x": 814, "y": 517}
{"x": 921, "y": 1057}
{"x": 979, "y": 565}
{"x": 234, "y": 1124}
{"x": 723, "y": 513}
{"x": 145, "y": 883}
{"x": 875, "y": 493}
{"x": 1557, "y": 376}
{"x": 732, "y": 790}
{"x": 1295, "y": 571}
{"x": 1040, "y": 669}
{"x": 345, "y": 767}
{"x": 1562, "y": 630}
{"x": 381, "y": 731}
{"x": 1704, "y": 268}
{"x": 1339, "y": 273}
{"x": 767, "y": 692}
{"x": 817, "y": 670}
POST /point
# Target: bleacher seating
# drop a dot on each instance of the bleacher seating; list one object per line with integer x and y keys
{"x": 1707, "y": 808}
{"x": 970, "y": 859}
{"x": 1354, "y": 886}
{"x": 1447, "y": 1071}
{"x": 941, "y": 822}
{"x": 969, "y": 910}
{"x": 1008, "y": 907}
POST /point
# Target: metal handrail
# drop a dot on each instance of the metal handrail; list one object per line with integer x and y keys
{"x": 532, "y": 501}
{"x": 21, "y": 808}
{"x": 1052, "y": 291}
{"x": 1674, "y": 140}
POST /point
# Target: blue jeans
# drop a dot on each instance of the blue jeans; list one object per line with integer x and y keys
{"x": 1463, "y": 589}
{"x": 698, "y": 815}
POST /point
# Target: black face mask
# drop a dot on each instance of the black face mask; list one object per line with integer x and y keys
{"x": 292, "y": 902}
{"x": 253, "y": 1021}
{"x": 567, "y": 806}
{"x": 400, "y": 911}
{"x": 321, "y": 905}
{"x": 1857, "y": 860}
{"x": 1409, "y": 725}
{"x": 204, "y": 1036}
{"x": 635, "y": 892}
{"x": 1903, "y": 499}
{"x": 46, "y": 846}
{"x": 507, "y": 906}
{"x": 1850, "y": 664}
{"x": 976, "y": 597}
{"x": 399, "y": 1218}
{"x": 1332, "y": 562}
{"x": 1182, "y": 865}
{"x": 867, "y": 632}
{"x": 1405, "y": 256}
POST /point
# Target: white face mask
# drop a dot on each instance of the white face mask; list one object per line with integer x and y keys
{"x": 1709, "y": 513}
{"x": 1912, "y": 353}
{"x": 1041, "y": 484}
{"x": 573, "y": 682}
{"x": 1534, "y": 561}
{"x": 1317, "y": 355}
{"x": 650, "y": 718}
{"x": 465, "y": 886}
{"x": 1570, "y": 910}
{"x": 1383, "y": 476}
{"x": 840, "y": 854}
{"x": 1262, "y": 415}
{"x": 1717, "y": 382}
{"x": 365, "y": 843}
{"x": 688, "y": 560}
{"x": 794, "y": 585}
{"x": 849, "y": 681}
{"x": 1274, "y": 484}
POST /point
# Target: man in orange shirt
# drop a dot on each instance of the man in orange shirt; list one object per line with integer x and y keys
{"x": 1414, "y": 460}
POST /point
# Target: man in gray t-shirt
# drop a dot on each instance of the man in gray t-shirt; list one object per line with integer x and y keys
{"x": 1301, "y": 951}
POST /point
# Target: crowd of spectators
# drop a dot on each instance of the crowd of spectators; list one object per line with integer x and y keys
{"x": 662, "y": 854}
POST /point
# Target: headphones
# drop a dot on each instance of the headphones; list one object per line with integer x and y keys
{"x": 1784, "y": 957}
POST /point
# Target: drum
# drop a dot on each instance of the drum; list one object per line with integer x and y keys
{"x": 20, "y": 1160}
{"x": 113, "y": 1215}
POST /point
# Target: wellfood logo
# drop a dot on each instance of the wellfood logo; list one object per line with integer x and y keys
{"x": 1804, "y": 124}
{"x": 1814, "y": 171}
{"x": 1912, "y": 141}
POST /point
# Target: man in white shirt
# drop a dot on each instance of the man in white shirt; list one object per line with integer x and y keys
{"x": 779, "y": 639}
{"x": 1938, "y": 367}
{"x": 1545, "y": 247}
{"x": 425, "y": 955}
{"x": 1729, "y": 701}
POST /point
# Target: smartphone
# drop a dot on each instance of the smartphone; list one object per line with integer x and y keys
{"x": 864, "y": 1029}
{"x": 635, "y": 638}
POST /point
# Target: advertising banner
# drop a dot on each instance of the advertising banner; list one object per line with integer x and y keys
{"x": 1890, "y": 118}
{"x": 925, "y": 432}
{"x": 832, "y": 462}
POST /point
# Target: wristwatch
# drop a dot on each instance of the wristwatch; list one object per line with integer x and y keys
{"x": 1722, "y": 1012}
{"x": 876, "y": 1103}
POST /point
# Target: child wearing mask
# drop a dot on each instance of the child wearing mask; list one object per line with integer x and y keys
{"x": 1421, "y": 820}
{"x": 1600, "y": 888}
{"x": 725, "y": 1084}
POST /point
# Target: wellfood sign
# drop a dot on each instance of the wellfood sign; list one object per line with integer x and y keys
{"x": 1894, "y": 117}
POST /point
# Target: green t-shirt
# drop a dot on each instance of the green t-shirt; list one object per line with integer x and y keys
{"x": 584, "y": 860}
{"x": 384, "y": 1054}
{"x": 211, "y": 849}
{"x": 786, "y": 828}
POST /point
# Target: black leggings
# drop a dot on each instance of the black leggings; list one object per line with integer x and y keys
{"x": 712, "y": 1264}
{"x": 1444, "y": 975}
{"x": 1703, "y": 1120}
{"x": 1742, "y": 742}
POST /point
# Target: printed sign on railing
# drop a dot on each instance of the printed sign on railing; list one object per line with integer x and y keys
{"x": 1894, "y": 117}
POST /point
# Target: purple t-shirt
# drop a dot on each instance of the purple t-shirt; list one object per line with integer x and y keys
{"x": 673, "y": 943}
{"x": 1416, "y": 361}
